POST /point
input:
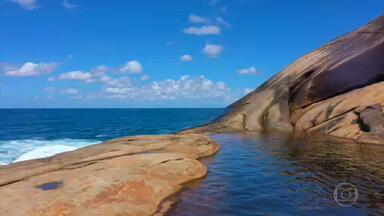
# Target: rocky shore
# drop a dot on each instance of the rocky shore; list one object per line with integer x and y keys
{"x": 335, "y": 90}
{"x": 135, "y": 175}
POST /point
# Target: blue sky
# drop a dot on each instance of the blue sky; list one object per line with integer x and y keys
{"x": 163, "y": 53}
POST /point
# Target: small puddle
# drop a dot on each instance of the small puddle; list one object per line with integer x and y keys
{"x": 50, "y": 185}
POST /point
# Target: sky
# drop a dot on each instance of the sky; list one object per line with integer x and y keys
{"x": 158, "y": 53}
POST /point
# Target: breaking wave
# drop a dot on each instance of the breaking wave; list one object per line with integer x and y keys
{"x": 27, "y": 149}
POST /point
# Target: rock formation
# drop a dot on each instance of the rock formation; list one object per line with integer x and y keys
{"x": 127, "y": 176}
{"x": 337, "y": 89}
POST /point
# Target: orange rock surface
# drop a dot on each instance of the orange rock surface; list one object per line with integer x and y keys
{"x": 127, "y": 176}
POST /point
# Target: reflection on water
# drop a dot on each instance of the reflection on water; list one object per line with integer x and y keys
{"x": 280, "y": 175}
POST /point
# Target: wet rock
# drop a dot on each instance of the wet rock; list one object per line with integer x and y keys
{"x": 372, "y": 122}
{"x": 127, "y": 176}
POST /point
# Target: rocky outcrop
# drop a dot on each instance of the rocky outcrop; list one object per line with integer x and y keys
{"x": 331, "y": 90}
{"x": 128, "y": 176}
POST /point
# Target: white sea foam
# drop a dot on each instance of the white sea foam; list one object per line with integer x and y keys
{"x": 45, "y": 151}
{"x": 26, "y": 149}
{"x": 101, "y": 135}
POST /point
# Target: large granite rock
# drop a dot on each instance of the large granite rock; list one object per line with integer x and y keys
{"x": 127, "y": 176}
{"x": 331, "y": 90}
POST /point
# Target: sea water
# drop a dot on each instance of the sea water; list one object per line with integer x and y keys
{"x": 34, "y": 133}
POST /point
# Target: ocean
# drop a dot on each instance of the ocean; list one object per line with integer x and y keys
{"x": 35, "y": 133}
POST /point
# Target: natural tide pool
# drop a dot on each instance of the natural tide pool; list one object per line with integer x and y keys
{"x": 257, "y": 174}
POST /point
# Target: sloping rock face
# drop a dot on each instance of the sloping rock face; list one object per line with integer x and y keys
{"x": 127, "y": 176}
{"x": 331, "y": 90}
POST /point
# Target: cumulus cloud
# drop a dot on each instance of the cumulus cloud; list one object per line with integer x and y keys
{"x": 77, "y": 75}
{"x": 186, "y": 58}
{"x": 68, "y": 5}
{"x": 197, "y": 19}
{"x": 216, "y": 21}
{"x": 70, "y": 91}
{"x": 144, "y": 77}
{"x": 105, "y": 78}
{"x": 29, "y": 69}
{"x": 116, "y": 82}
{"x": 122, "y": 87}
{"x": 212, "y": 50}
{"x": 203, "y": 30}
{"x": 133, "y": 67}
{"x": 86, "y": 76}
{"x": 99, "y": 70}
{"x": 169, "y": 89}
{"x": 27, "y": 4}
{"x": 248, "y": 71}
{"x": 119, "y": 92}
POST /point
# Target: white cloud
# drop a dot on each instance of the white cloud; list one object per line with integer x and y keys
{"x": 186, "y": 58}
{"x": 212, "y": 50}
{"x": 222, "y": 22}
{"x": 96, "y": 73}
{"x": 169, "y": 89}
{"x": 203, "y": 30}
{"x": 116, "y": 82}
{"x": 68, "y": 5}
{"x": 133, "y": 67}
{"x": 77, "y": 75}
{"x": 27, "y": 4}
{"x": 99, "y": 70}
{"x": 122, "y": 91}
{"x": 69, "y": 91}
{"x": 248, "y": 71}
{"x": 105, "y": 78}
{"x": 197, "y": 19}
{"x": 29, "y": 69}
{"x": 144, "y": 77}
{"x": 219, "y": 21}
{"x": 247, "y": 90}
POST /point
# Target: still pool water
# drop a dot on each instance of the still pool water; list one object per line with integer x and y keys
{"x": 257, "y": 174}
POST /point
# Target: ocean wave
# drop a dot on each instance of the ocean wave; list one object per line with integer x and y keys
{"x": 27, "y": 149}
{"x": 101, "y": 135}
{"x": 45, "y": 151}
